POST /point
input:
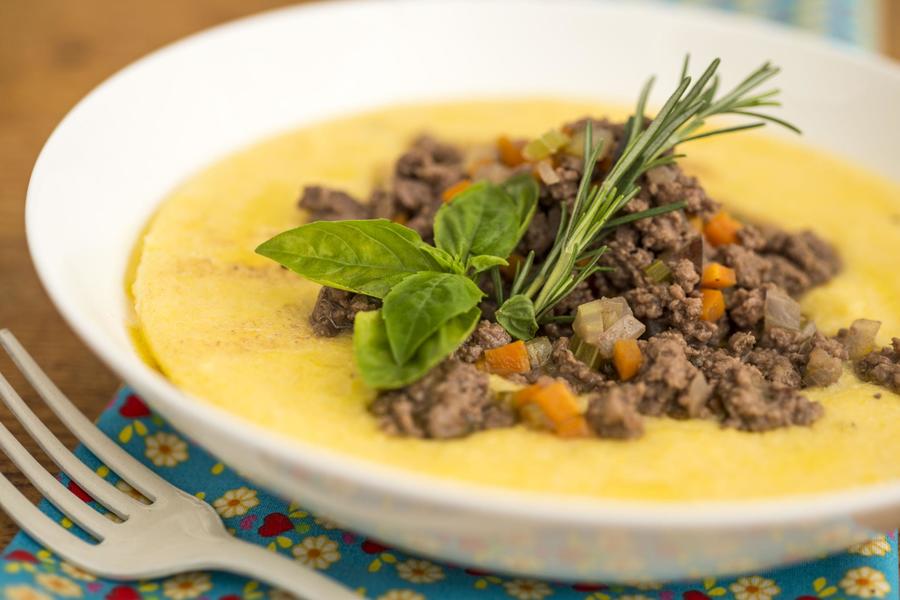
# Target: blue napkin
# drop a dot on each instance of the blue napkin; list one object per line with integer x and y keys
{"x": 30, "y": 572}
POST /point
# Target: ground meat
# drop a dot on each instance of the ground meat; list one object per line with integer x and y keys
{"x": 325, "y": 204}
{"x": 667, "y": 374}
{"x": 486, "y": 336}
{"x": 335, "y": 310}
{"x": 882, "y": 367}
{"x": 452, "y": 400}
{"x": 732, "y": 370}
{"x": 420, "y": 176}
{"x": 613, "y": 413}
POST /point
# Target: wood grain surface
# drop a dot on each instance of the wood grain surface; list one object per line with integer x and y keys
{"x": 52, "y": 52}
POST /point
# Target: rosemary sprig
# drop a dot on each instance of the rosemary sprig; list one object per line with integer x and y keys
{"x": 574, "y": 256}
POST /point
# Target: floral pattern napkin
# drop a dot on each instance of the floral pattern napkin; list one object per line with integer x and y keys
{"x": 29, "y": 572}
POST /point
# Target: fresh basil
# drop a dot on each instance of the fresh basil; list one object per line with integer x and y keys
{"x": 375, "y": 360}
{"x": 420, "y": 304}
{"x": 367, "y": 257}
{"x": 483, "y": 262}
{"x": 516, "y": 315}
{"x": 482, "y": 219}
{"x": 524, "y": 191}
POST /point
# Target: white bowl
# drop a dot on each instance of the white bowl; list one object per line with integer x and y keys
{"x": 111, "y": 160}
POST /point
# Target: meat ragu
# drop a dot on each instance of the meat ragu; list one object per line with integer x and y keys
{"x": 685, "y": 312}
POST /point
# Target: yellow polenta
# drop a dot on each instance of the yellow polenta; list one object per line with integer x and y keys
{"x": 231, "y": 327}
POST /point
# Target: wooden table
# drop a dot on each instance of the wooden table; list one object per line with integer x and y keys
{"x": 52, "y": 52}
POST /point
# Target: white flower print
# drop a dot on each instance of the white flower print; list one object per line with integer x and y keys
{"x": 76, "y": 573}
{"x": 235, "y": 503}
{"x": 755, "y": 588}
{"x": 419, "y": 571}
{"x": 165, "y": 449}
{"x": 401, "y": 595}
{"x": 318, "y": 552}
{"x": 186, "y": 586}
{"x": 865, "y": 582}
{"x": 23, "y": 592}
{"x": 125, "y": 488}
{"x": 879, "y": 546}
{"x": 59, "y": 586}
{"x": 526, "y": 589}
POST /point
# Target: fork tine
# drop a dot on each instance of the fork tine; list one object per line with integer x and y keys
{"x": 123, "y": 464}
{"x": 77, "y": 510}
{"x": 38, "y": 525}
{"x": 100, "y": 489}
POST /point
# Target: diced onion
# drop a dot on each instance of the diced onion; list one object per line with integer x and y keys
{"x": 539, "y": 350}
{"x": 822, "y": 369}
{"x": 626, "y": 328}
{"x": 661, "y": 174}
{"x": 781, "y": 311}
{"x": 547, "y": 173}
{"x": 697, "y": 394}
{"x": 575, "y": 147}
{"x": 860, "y": 338}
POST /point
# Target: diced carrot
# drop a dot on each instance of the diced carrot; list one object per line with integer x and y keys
{"x": 696, "y": 223}
{"x": 509, "y": 271}
{"x": 555, "y": 400}
{"x": 573, "y": 427}
{"x": 510, "y": 152}
{"x": 458, "y": 187}
{"x": 718, "y": 276}
{"x": 713, "y": 306}
{"x": 627, "y": 358}
{"x": 721, "y": 229}
{"x": 508, "y": 359}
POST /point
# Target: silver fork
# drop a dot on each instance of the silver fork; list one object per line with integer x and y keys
{"x": 176, "y": 532}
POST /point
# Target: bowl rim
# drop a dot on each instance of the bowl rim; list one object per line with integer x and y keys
{"x": 430, "y": 489}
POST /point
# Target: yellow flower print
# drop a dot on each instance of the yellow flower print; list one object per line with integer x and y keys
{"x": 235, "y": 503}
{"x": 281, "y": 595}
{"x": 420, "y": 571}
{"x": 59, "y": 586}
{"x": 23, "y": 592}
{"x": 634, "y": 597}
{"x": 401, "y": 595}
{"x": 186, "y": 586}
{"x": 76, "y": 573}
{"x": 879, "y": 546}
{"x": 755, "y": 588}
{"x": 165, "y": 449}
{"x": 318, "y": 552}
{"x": 865, "y": 582}
{"x": 526, "y": 589}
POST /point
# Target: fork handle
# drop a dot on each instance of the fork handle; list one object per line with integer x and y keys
{"x": 243, "y": 558}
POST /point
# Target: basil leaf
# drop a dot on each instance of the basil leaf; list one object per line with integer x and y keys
{"x": 516, "y": 315}
{"x": 483, "y": 262}
{"x": 447, "y": 262}
{"x": 524, "y": 191}
{"x": 367, "y": 257}
{"x": 482, "y": 219}
{"x": 420, "y": 304}
{"x": 376, "y": 361}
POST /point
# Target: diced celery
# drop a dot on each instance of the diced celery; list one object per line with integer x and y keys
{"x": 657, "y": 271}
{"x": 536, "y": 150}
{"x": 555, "y": 139}
{"x": 588, "y": 322}
{"x": 586, "y": 352}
